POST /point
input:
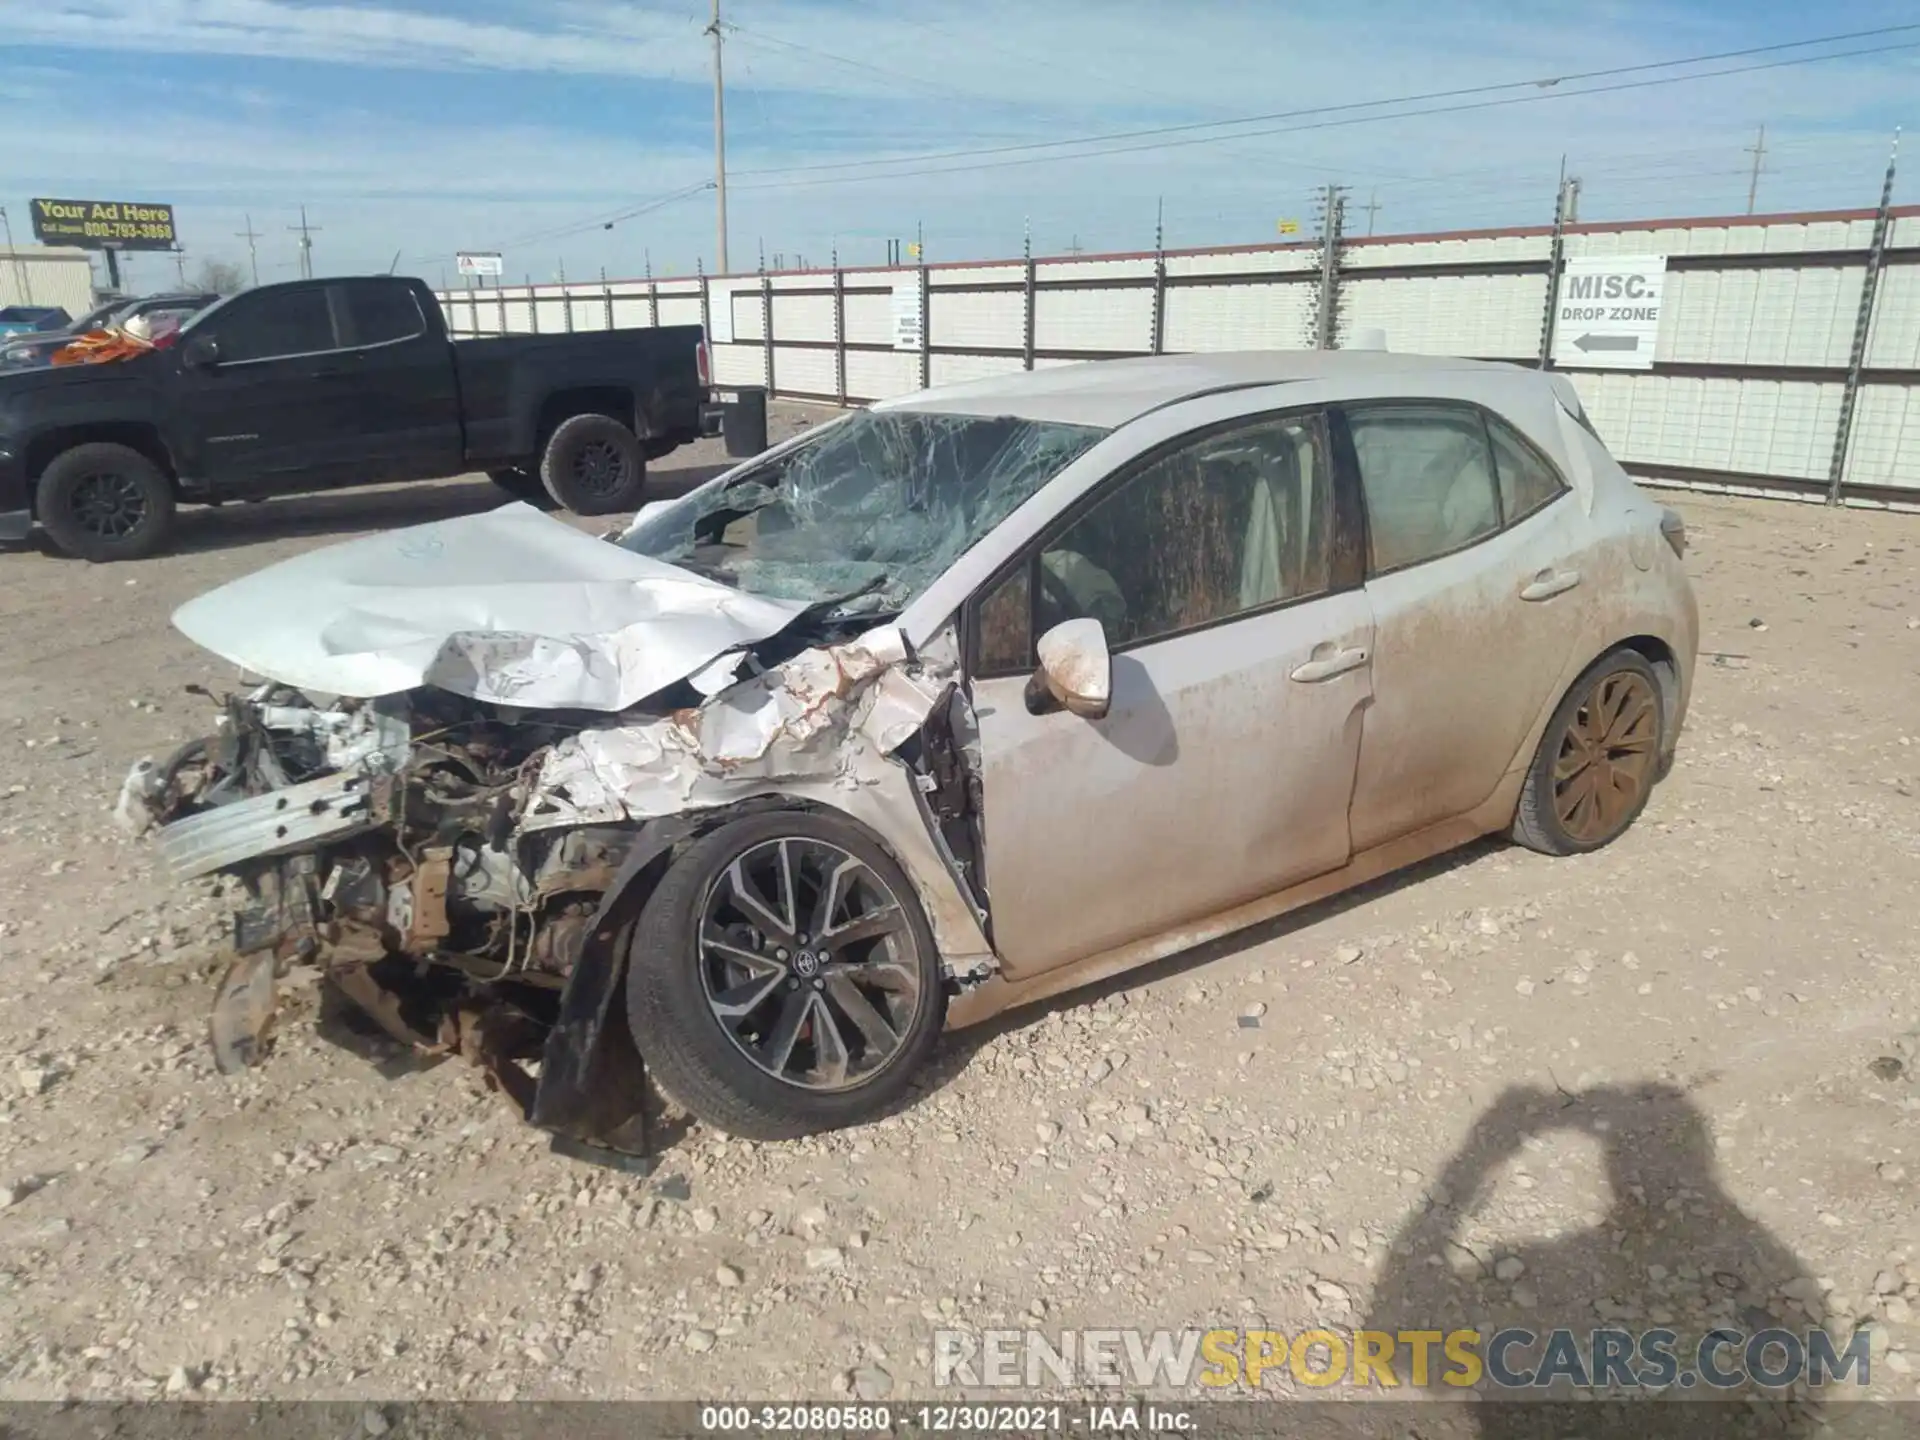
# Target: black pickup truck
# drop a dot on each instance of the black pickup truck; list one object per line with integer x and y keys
{"x": 320, "y": 384}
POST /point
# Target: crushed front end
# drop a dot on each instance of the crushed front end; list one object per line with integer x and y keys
{"x": 465, "y": 874}
{"x": 377, "y": 840}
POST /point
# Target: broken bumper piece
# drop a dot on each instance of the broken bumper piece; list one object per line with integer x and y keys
{"x": 279, "y": 823}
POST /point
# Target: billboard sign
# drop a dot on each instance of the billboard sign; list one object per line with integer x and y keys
{"x": 104, "y": 224}
{"x": 479, "y": 262}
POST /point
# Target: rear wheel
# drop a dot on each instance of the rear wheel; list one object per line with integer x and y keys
{"x": 594, "y": 465}
{"x": 1597, "y": 761}
{"x": 104, "y": 502}
{"x": 783, "y": 979}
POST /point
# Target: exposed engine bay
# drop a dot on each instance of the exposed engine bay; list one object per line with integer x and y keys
{"x": 389, "y": 859}
{"x": 443, "y": 860}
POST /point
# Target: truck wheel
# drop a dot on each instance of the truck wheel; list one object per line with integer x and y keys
{"x": 104, "y": 502}
{"x": 522, "y": 485}
{"x": 594, "y": 465}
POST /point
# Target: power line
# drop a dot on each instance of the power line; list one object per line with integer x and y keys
{"x": 1332, "y": 124}
{"x": 1867, "y": 144}
{"x": 754, "y": 36}
{"x": 1543, "y": 83}
{"x": 602, "y": 222}
{"x": 1549, "y": 87}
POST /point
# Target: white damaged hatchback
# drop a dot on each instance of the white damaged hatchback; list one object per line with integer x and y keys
{"x": 945, "y": 706}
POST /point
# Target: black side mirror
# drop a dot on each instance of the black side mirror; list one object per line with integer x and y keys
{"x": 201, "y": 352}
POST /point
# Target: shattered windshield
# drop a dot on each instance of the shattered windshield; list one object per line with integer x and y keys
{"x": 869, "y": 511}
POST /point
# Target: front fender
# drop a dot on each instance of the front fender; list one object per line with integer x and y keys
{"x": 592, "y": 1087}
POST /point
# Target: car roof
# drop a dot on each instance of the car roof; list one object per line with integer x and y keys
{"x": 1109, "y": 393}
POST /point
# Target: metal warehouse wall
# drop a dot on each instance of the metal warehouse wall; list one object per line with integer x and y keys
{"x": 46, "y": 275}
{"x": 1776, "y": 372}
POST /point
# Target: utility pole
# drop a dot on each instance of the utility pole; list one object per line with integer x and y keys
{"x": 180, "y": 261}
{"x": 719, "y": 136}
{"x": 1570, "y": 200}
{"x": 1372, "y": 208}
{"x": 307, "y": 232}
{"x": 253, "y": 256}
{"x": 1076, "y": 248}
{"x": 1759, "y": 152}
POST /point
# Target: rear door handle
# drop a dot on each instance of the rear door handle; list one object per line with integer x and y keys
{"x": 1549, "y": 583}
{"x": 1329, "y": 666}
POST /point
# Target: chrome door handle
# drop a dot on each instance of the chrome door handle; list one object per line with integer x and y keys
{"x": 1337, "y": 663}
{"x": 1549, "y": 583}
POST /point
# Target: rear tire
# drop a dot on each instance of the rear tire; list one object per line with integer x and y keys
{"x": 594, "y": 465}
{"x": 769, "y": 1028}
{"x": 523, "y": 485}
{"x": 104, "y": 502}
{"x": 1598, "y": 759}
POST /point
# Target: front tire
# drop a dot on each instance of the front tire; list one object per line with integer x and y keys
{"x": 104, "y": 502}
{"x": 1598, "y": 759}
{"x": 594, "y": 465}
{"x": 782, "y": 979}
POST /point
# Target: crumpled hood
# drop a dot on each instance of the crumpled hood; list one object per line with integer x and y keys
{"x": 512, "y": 607}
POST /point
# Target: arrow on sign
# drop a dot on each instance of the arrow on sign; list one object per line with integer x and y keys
{"x": 1591, "y": 343}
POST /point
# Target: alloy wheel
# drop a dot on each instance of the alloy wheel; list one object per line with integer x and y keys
{"x": 109, "y": 505}
{"x": 599, "y": 467}
{"x": 808, "y": 963}
{"x": 1606, "y": 758}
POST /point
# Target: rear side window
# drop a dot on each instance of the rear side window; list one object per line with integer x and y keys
{"x": 275, "y": 324}
{"x": 1428, "y": 477}
{"x": 381, "y": 314}
{"x": 1527, "y": 481}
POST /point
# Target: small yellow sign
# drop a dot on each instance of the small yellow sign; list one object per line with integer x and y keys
{"x": 914, "y": 250}
{"x": 1289, "y": 227}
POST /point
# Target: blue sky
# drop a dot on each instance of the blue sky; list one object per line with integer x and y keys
{"x": 422, "y": 126}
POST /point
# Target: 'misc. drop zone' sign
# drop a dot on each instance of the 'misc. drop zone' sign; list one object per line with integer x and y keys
{"x": 1607, "y": 315}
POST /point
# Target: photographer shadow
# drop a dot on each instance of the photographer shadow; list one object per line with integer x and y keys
{"x": 1673, "y": 1251}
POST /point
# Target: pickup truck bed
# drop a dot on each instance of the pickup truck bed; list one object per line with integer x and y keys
{"x": 323, "y": 384}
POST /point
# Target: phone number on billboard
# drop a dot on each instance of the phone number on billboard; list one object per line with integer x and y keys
{"x": 115, "y": 230}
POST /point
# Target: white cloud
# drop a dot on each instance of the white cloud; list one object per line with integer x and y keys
{"x": 346, "y": 34}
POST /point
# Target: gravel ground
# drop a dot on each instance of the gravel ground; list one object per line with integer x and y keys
{"x": 1667, "y": 1083}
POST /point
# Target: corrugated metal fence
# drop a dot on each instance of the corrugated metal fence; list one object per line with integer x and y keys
{"x": 1754, "y": 386}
